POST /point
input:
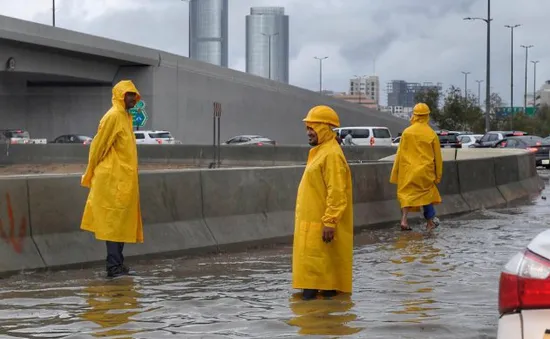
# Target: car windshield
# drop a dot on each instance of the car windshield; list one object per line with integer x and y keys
{"x": 160, "y": 135}
{"x": 447, "y": 138}
{"x": 381, "y": 133}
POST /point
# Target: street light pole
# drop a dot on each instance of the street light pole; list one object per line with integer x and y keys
{"x": 321, "y": 72}
{"x": 53, "y": 13}
{"x": 479, "y": 92}
{"x": 526, "y": 63}
{"x": 535, "y": 83}
{"x": 465, "y": 84}
{"x": 512, "y": 27}
{"x": 269, "y": 36}
{"x": 488, "y": 66}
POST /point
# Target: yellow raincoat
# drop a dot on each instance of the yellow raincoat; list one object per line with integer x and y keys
{"x": 418, "y": 165}
{"x": 324, "y": 199}
{"x": 113, "y": 211}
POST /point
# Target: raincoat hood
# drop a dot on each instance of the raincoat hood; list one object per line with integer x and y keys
{"x": 120, "y": 89}
{"x": 421, "y": 119}
{"x": 324, "y": 132}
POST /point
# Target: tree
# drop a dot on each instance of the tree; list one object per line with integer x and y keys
{"x": 459, "y": 113}
{"x": 430, "y": 97}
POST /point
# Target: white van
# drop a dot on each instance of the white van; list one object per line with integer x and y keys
{"x": 367, "y": 135}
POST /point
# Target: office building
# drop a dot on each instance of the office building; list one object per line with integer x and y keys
{"x": 402, "y": 93}
{"x": 267, "y": 43}
{"x": 366, "y": 86}
{"x": 208, "y": 31}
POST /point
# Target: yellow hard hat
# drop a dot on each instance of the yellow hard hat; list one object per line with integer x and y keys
{"x": 323, "y": 114}
{"x": 421, "y": 109}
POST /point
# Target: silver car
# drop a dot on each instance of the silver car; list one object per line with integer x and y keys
{"x": 250, "y": 140}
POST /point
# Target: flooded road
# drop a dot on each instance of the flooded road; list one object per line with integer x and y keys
{"x": 406, "y": 285}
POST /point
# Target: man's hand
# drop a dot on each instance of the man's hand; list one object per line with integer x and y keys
{"x": 328, "y": 234}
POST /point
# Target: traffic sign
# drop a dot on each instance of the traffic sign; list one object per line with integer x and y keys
{"x": 505, "y": 111}
{"x": 139, "y": 115}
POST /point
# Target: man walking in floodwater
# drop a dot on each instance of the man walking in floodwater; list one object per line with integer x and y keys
{"x": 322, "y": 255}
{"x": 418, "y": 168}
{"x": 113, "y": 210}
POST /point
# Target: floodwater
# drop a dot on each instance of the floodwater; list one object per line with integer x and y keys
{"x": 406, "y": 285}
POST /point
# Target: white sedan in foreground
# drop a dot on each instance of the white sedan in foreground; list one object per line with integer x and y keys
{"x": 524, "y": 292}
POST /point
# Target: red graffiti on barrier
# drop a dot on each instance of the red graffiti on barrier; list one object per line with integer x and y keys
{"x": 16, "y": 241}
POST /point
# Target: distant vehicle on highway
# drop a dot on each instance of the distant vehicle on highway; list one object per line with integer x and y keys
{"x": 19, "y": 136}
{"x": 72, "y": 139}
{"x": 448, "y": 139}
{"x": 530, "y": 143}
{"x": 524, "y": 292}
{"x": 160, "y": 137}
{"x": 257, "y": 140}
{"x": 469, "y": 140}
{"x": 367, "y": 135}
{"x": 492, "y": 137}
{"x": 395, "y": 142}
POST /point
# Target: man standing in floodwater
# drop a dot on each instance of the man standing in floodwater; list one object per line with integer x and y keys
{"x": 418, "y": 168}
{"x": 322, "y": 255}
{"x": 113, "y": 210}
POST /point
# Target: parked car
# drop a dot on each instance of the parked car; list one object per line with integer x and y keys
{"x": 449, "y": 139}
{"x": 257, "y": 140}
{"x": 367, "y": 135}
{"x": 469, "y": 140}
{"x": 72, "y": 139}
{"x": 492, "y": 137}
{"x": 395, "y": 142}
{"x": 160, "y": 137}
{"x": 524, "y": 292}
{"x": 530, "y": 143}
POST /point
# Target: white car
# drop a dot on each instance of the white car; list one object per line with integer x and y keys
{"x": 524, "y": 292}
{"x": 469, "y": 140}
{"x": 154, "y": 137}
{"x": 367, "y": 135}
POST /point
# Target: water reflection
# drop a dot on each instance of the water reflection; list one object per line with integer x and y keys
{"x": 112, "y": 303}
{"x": 415, "y": 266}
{"x": 323, "y": 316}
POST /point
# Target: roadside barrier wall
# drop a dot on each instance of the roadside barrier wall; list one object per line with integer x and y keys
{"x": 198, "y": 155}
{"x": 201, "y": 210}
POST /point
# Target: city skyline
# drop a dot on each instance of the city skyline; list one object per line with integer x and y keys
{"x": 416, "y": 42}
{"x": 208, "y": 31}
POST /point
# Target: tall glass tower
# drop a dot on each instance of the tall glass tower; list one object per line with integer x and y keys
{"x": 208, "y": 31}
{"x": 267, "y": 43}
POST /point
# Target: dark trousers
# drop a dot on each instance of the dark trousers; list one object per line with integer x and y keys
{"x": 115, "y": 258}
{"x": 429, "y": 212}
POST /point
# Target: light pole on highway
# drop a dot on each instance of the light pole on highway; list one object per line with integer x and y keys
{"x": 53, "y": 13}
{"x": 479, "y": 92}
{"x": 535, "y": 83}
{"x": 465, "y": 84}
{"x": 526, "y": 63}
{"x": 512, "y": 27}
{"x": 488, "y": 72}
{"x": 321, "y": 72}
{"x": 269, "y": 36}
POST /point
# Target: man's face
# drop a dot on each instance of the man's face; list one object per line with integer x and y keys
{"x": 312, "y": 137}
{"x": 130, "y": 100}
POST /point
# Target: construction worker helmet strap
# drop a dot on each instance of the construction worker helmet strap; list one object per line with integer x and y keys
{"x": 324, "y": 115}
{"x": 421, "y": 109}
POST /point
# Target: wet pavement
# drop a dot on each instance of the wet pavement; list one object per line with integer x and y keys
{"x": 406, "y": 285}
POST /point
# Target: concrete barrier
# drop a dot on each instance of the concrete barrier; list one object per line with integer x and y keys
{"x": 211, "y": 210}
{"x": 17, "y": 248}
{"x": 197, "y": 155}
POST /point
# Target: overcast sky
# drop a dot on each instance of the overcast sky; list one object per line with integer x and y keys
{"x": 416, "y": 41}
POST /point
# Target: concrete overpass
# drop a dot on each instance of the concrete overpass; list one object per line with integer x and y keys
{"x": 56, "y": 81}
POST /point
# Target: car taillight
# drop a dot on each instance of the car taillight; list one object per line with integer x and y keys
{"x": 524, "y": 283}
{"x": 532, "y": 149}
{"x": 260, "y": 144}
{"x": 159, "y": 141}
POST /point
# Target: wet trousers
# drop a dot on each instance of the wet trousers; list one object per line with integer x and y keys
{"x": 429, "y": 211}
{"x": 115, "y": 259}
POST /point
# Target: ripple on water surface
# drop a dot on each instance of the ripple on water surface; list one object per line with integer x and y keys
{"x": 406, "y": 285}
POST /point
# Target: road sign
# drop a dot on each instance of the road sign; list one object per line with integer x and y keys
{"x": 139, "y": 115}
{"x": 505, "y": 111}
{"x": 217, "y": 109}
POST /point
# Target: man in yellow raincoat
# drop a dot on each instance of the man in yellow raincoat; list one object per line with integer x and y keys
{"x": 323, "y": 233}
{"x": 112, "y": 210}
{"x": 418, "y": 168}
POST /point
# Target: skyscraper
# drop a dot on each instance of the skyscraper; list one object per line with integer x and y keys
{"x": 208, "y": 31}
{"x": 267, "y": 43}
